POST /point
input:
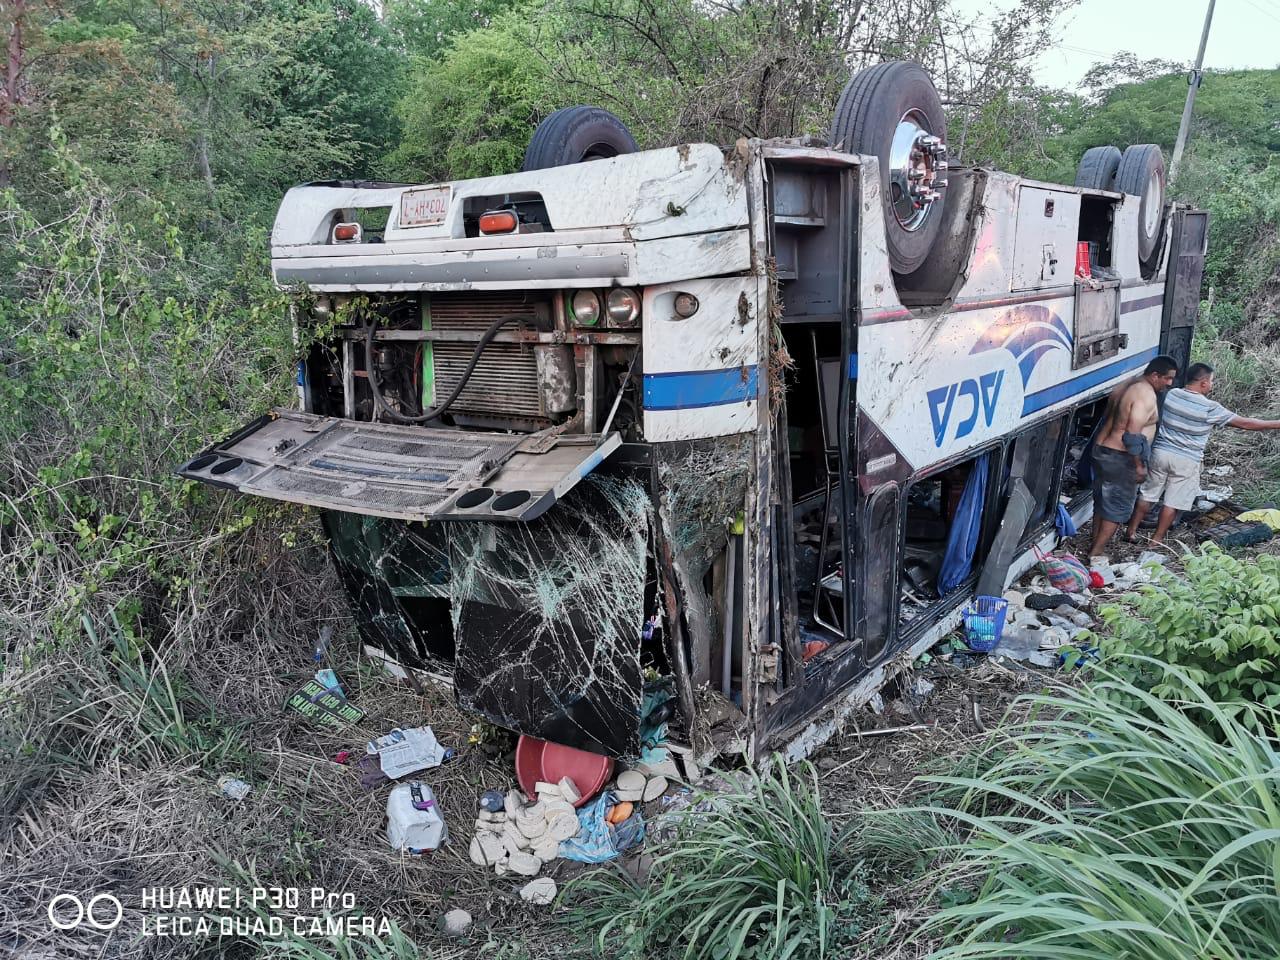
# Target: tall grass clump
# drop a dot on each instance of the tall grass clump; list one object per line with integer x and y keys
{"x": 1113, "y": 824}
{"x": 760, "y": 872}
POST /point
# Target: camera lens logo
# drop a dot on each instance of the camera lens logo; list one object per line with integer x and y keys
{"x": 102, "y": 912}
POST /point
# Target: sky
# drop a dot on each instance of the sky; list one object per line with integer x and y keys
{"x": 1245, "y": 33}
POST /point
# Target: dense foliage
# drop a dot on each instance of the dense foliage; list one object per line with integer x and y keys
{"x": 1218, "y": 622}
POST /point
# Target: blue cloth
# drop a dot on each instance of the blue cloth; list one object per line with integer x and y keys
{"x": 598, "y": 841}
{"x": 966, "y": 527}
{"x": 1066, "y": 526}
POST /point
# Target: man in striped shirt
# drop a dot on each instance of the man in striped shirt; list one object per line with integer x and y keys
{"x": 1186, "y": 422}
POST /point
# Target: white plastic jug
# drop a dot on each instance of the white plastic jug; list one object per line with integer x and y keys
{"x": 414, "y": 827}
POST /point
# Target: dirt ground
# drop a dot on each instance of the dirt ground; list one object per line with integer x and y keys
{"x": 309, "y": 823}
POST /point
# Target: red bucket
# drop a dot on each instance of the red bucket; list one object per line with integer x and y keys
{"x": 539, "y": 760}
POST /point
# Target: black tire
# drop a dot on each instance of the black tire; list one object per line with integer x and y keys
{"x": 1097, "y": 169}
{"x": 867, "y": 115}
{"x": 1141, "y": 173}
{"x": 576, "y": 135}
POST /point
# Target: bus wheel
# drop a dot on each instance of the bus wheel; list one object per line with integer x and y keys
{"x": 892, "y": 112}
{"x": 1141, "y": 173}
{"x": 575, "y": 135}
{"x": 1097, "y": 169}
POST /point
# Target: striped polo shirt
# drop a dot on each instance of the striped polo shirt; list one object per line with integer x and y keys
{"x": 1186, "y": 422}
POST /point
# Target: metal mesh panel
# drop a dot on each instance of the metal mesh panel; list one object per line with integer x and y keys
{"x": 505, "y": 381}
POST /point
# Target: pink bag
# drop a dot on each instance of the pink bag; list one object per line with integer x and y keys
{"x": 1064, "y": 571}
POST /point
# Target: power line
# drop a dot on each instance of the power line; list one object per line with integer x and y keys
{"x": 1263, "y": 11}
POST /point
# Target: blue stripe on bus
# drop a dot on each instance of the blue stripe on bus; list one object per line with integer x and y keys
{"x": 1069, "y": 388}
{"x": 690, "y": 389}
{"x": 853, "y": 366}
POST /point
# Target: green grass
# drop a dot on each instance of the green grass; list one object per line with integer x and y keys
{"x": 764, "y": 873}
{"x": 1122, "y": 828}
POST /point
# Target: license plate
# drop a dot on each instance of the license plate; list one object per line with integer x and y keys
{"x": 424, "y": 208}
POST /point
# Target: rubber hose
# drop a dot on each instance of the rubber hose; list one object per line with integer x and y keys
{"x": 375, "y": 388}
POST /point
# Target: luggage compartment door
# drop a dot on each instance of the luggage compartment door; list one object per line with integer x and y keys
{"x": 397, "y": 470}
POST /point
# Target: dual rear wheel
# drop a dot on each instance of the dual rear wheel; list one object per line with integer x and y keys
{"x": 1139, "y": 172}
{"x": 892, "y": 112}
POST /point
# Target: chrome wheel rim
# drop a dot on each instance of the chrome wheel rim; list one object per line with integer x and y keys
{"x": 917, "y": 162}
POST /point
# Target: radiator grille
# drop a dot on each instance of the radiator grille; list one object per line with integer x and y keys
{"x": 505, "y": 381}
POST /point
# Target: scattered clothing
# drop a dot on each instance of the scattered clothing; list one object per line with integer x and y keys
{"x": 1173, "y": 479}
{"x": 1062, "y": 521}
{"x": 1137, "y": 445}
{"x": 1115, "y": 484}
{"x": 1186, "y": 422}
{"x": 1270, "y": 516}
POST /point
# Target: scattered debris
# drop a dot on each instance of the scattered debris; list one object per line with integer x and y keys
{"x": 233, "y": 788}
{"x": 456, "y": 923}
{"x": 1075, "y": 657}
{"x": 1049, "y": 601}
{"x": 541, "y": 892}
{"x": 1217, "y": 494}
{"x": 620, "y": 812}
{"x": 402, "y": 752}
{"x": 1221, "y": 470}
{"x": 1102, "y": 572}
{"x": 885, "y": 731}
{"x": 1066, "y": 574}
{"x": 550, "y": 770}
{"x": 984, "y": 622}
{"x": 323, "y": 705}
{"x": 1148, "y": 557}
{"x": 414, "y": 823}
{"x": 1238, "y": 533}
{"x": 654, "y": 788}
{"x": 598, "y": 840}
{"x": 518, "y": 837}
{"x": 630, "y": 786}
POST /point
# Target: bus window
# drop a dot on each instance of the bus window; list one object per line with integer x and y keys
{"x": 1034, "y": 457}
{"x": 943, "y": 541}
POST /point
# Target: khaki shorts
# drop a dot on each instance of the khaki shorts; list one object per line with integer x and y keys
{"x": 1173, "y": 479}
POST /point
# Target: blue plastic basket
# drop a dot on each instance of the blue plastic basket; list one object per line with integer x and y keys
{"x": 984, "y": 623}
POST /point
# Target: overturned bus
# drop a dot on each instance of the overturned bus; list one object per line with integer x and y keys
{"x": 716, "y": 438}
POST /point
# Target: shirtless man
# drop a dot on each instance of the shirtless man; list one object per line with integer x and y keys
{"x": 1123, "y": 448}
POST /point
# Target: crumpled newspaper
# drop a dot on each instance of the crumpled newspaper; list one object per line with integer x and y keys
{"x": 402, "y": 752}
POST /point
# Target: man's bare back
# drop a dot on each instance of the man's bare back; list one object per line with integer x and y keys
{"x": 1123, "y": 446}
{"x": 1134, "y": 411}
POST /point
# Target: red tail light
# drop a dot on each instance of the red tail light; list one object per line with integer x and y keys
{"x": 346, "y": 233}
{"x": 498, "y": 221}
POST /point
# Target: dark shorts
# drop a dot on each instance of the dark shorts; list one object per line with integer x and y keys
{"x": 1115, "y": 484}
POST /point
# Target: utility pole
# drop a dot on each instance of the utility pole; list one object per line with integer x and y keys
{"x": 1193, "y": 84}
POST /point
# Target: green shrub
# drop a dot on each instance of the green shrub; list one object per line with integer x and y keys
{"x": 762, "y": 873}
{"x": 1112, "y": 824}
{"x": 1219, "y": 623}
